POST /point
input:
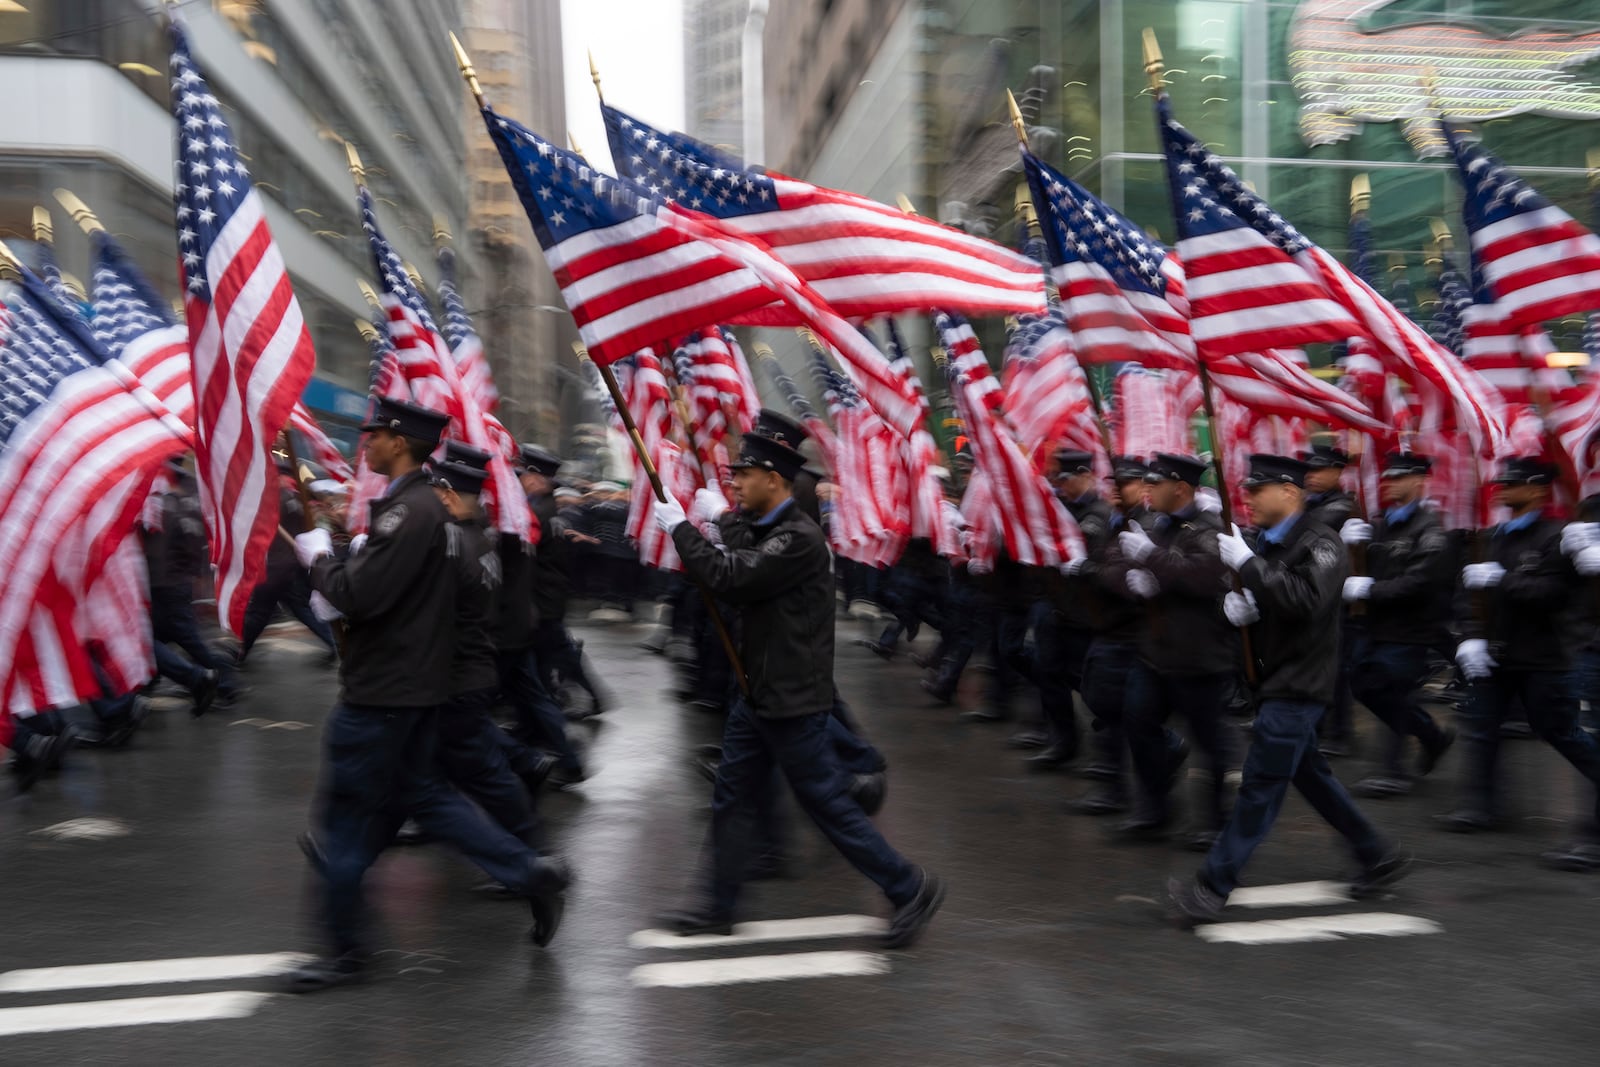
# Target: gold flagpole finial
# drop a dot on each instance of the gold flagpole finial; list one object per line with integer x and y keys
{"x": 762, "y": 350}
{"x": 415, "y": 276}
{"x": 1441, "y": 234}
{"x": 1360, "y": 193}
{"x": 1023, "y": 204}
{"x": 1154, "y": 66}
{"x": 369, "y": 292}
{"x": 465, "y": 63}
{"x": 368, "y": 332}
{"x": 580, "y": 351}
{"x": 357, "y": 171}
{"x": 1020, "y": 127}
{"x": 441, "y": 230}
{"x": 905, "y": 203}
{"x": 594, "y": 76}
{"x": 10, "y": 265}
{"x": 43, "y": 228}
{"x": 78, "y": 210}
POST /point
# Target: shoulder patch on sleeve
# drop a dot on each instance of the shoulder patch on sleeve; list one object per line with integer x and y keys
{"x": 1432, "y": 540}
{"x": 776, "y": 544}
{"x": 1324, "y": 553}
{"x": 390, "y": 520}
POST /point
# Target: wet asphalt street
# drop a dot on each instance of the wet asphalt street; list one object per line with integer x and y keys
{"x": 1050, "y": 948}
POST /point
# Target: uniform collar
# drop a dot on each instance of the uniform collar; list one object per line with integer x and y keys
{"x": 1397, "y": 515}
{"x": 1323, "y": 497}
{"x": 396, "y": 484}
{"x": 1280, "y": 533}
{"x": 1165, "y": 518}
{"x": 774, "y": 515}
{"x": 1521, "y": 522}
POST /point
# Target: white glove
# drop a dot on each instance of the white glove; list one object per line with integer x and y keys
{"x": 1482, "y": 575}
{"x": 1355, "y": 532}
{"x": 979, "y": 567}
{"x": 1235, "y": 553}
{"x": 708, "y": 506}
{"x": 1206, "y": 499}
{"x": 1143, "y": 584}
{"x": 322, "y": 609}
{"x": 1357, "y": 587}
{"x": 1473, "y": 657}
{"x": 357, "y": 543}
{"x": 312, "y": 545}
{"x": 1241, "y": 609}
{"x": 1135, "y": 543}
{"x": 669, "y": 513}
{"x": 1073, "y": 566}
{"x": 1588, "y": 561}
{"x": 1578, "y": 536}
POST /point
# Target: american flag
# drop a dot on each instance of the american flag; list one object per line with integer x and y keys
{"x": 1536, "y": 261}
{"x": 1034, "y": 525}
{"x": 868, "y": 522}
{"x": 1256, "y": 281}
{"x": 864, "y": 258}
{"x": 1047, "y": 395}
{"x": 722, "y": 398}
{"x": 800, "y": 404}
{"x": 472, "y": 363}
{"x": 1454, "y": 299}
{"x": 645, "y": 386}
{"x": 1149, "y": 414}
{"x": 79, "y": 441}
{"x": 385, "y": 379}
{"x": 919, "y": 454}
{"x": 250, "y": 348}
{"x": 134, "y": 324}
{"x": 436, "y": 382}
{"x": 637, "y": 271}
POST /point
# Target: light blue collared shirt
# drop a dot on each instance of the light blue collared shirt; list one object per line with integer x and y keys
{"x": 1280, "y": 531}
{"x": 1521, "y": 522}
{"x": 1397, "y": 515}
{"x": 772, "y": 516}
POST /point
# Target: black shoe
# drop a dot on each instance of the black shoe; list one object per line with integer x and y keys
{"x": 1431, "y": 756}
{"x": 1466, "y": 821}
{"x": 1145, "y": 828}
{"x": 42, "y": 755}
{"x": 118, "y": 735}
{"x": 692, "y": 923}
{"x": 1099, "y": 802}
{"x": 496, "y": 890}
{"x": 1201, "y": 840}
{"x": 936, "y": 691}
{"x": 1333, "y": 749}
{"x": 1383, "y": 874}
{"x": 869, "y": 791}
{"x": 983, "y": 715}
{"x": 535, "y": 776}
{"x": 1028, "y": 739}
{"x": 926, "y": 662}
{"x": 709, "y": 707}
{"x": 1580, "y": 858}
{"x": 877, "y": 648}
{"x": 325, "y": 973}
{"x": 410, "y": 835}
{"x": 1193, "y": 902}
{"x": 767, "y": 867}
{"x": 1050, "y": 758}
{"x": 1516, "y": 730}
{"x": 1101, "y": 772}
{"x": 1382, "y": 787}
{"x": 548, "y": 903}
{"x": 205, "y": 693}
{"x": 565, "y": 778}
{"x": 312, "y": 850}
{"x": 912, "y": 917}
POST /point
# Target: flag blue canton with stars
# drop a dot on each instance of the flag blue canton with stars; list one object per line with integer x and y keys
{"x": 125, "y": 307}
{"x": 212, "y": 180}
{"x": 391, "y": 268}
{"x": 1209, "y": 198}
{"x": 457, "y": 324}
{"x": 673, "y": 169}
{"x": 1082, "y": 228}
{"x": 41, "y": 348}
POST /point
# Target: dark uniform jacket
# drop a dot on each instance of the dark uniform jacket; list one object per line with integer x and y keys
{"x": 1332, "y": 509}
{"x": 1074, "y": 598}
{"x": 1298, "y": 586}
{"x": 1412, "y": 566}
{"x": 551, "y": 572}
{"x": 1524, "y": 618}
{"x": 398, "y": 599}
{"x": 783, "y": 585}
{"x": 1116, "y": 615}
{"x": 177, "y": 554}
{"x": 476, "y": 564}
{"x": 515, "y": 613}
{"x": 1185, "y": 631}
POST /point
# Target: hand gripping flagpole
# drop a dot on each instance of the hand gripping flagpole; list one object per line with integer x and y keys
{"x": 606, "y": 375}
{"x": 1155, "y": 67}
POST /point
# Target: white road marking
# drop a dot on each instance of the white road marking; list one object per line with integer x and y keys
{"x": 85, "y": 829}
{"x": 1317, "y": 928}
{"x": 149, "y": 972}
{"x": 134, "y": 1011}
{"x": 1290, "y": 895}
{"x": 756, "y": 933}
{"x": 691, "y": 973}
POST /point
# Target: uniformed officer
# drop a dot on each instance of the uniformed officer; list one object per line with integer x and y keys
{"x": 1331, "y": 506}
{"x": 398, "y": 597}
{"x": 1513, "y": 607}
{"x": 1187, "y": 650}
{"x": 783, "y": 585}
{"x": 1406, "y": 611}
{"x": 1117, "y": 616}
{"x": 1292, "y": 581}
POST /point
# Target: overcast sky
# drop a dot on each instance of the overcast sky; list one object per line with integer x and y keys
{"x": 638, "y": 46}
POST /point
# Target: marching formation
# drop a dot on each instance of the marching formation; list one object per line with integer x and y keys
{"x": 1219, "y": 589}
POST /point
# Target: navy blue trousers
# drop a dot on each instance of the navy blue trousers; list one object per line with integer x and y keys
{"x": 1386, "y": 679}
{"x": 539, "y": 718}
{"x": 1552, "y": 711}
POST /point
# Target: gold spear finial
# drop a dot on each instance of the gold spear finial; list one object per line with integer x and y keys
{"x": 10, "y": 265}
{"x": 357, "y": 171}
{"x": 43, "y": 229}
{"x": 415, "y": 276}
{"x": 1441, "y": 234}
{"x": 78, "y": 210}
{"x": 762, "y": 350}
{"x": 1360, "y": 193}
{"x": 594, "y": 76}
{"x": 580, "y": 351}
{"x": 465, "y": 63}
{"x": 1023, "y": 204}
{"x": 441, "y": 230}
{"x": 1154, "y": 65}
{"x": 369, "y": 332}
{"x": 905, "y": 203}
{"x": 1017, "y": 124}
{"x": 369, "y": 292}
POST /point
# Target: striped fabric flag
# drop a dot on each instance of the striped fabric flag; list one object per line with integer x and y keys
{"x": 1047, "y": 395}
{"x": 1033, "y": 525}
{"x": 80, "y": 439}
{"x": 472, "y": 363}
{"x": 864, "y": 258}
{"x": 1149, "y": 414}
{"x": 436, "y": 382}
{"x": 637, "y": 271}
{"x": 919, "y": 455}
{"x": 645, "y": 386}
{"x": 135, "y": 325}
{"x": 1538, "y": 262}
{"x": 1256, "y": 282}
{"x": 250, "y": 350}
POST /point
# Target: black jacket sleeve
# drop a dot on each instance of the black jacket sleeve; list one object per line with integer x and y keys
{"x": 1302, "y": 592}
{"x": 744, "y": 575}
{"x": 375, "y": 579}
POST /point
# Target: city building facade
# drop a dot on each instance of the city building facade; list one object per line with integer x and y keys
{"x": 713, "y": 50}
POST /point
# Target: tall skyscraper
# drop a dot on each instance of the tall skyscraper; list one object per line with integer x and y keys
{"x": 713, "y": 32}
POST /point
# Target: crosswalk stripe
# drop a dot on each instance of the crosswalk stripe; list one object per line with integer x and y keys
{"x": 755, "y": 933}
{"x": 133, "y": 1011}
{"x": 1317, "y": 928}
{"x": 149, "y": 972}
{"x": 691, "y": 973}
{"x": 1290, "y": 895}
